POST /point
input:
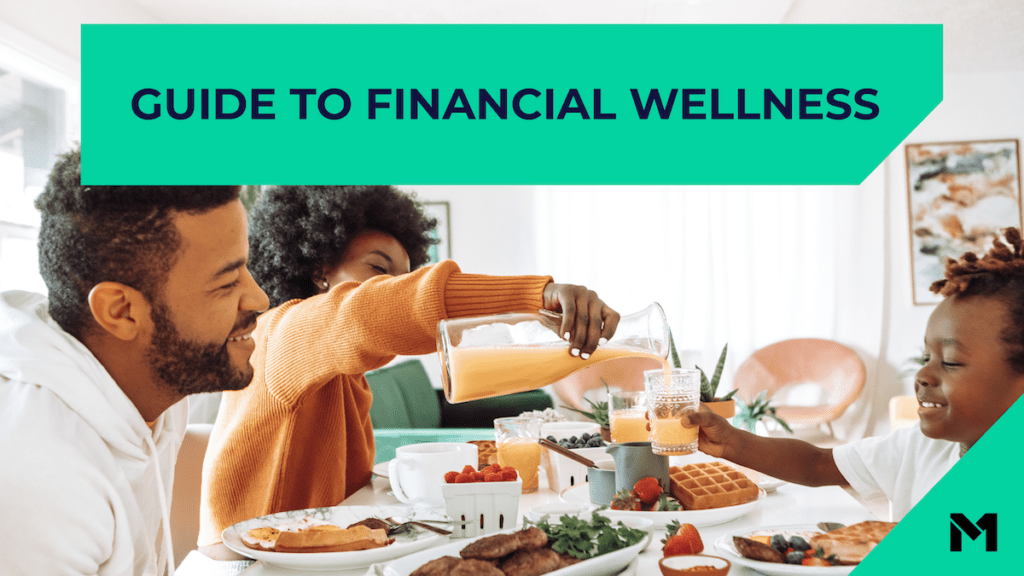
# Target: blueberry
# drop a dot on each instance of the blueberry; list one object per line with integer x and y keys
{"x": 552, "y": 439}
{"x": 794, "y": 558}
{"x": 595, "y": 443}
{"x": 779, "y": 543}
{"x": 585, "y": 436}
{"x": 573, "y": 440}
{"x": 799, "y": 544}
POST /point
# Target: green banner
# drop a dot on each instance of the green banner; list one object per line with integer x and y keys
{"x": 970, "y": 522}
{"x": 501, "y": 104}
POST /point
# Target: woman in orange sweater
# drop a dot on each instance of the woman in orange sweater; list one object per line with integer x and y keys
{"x": 337, "y": 263}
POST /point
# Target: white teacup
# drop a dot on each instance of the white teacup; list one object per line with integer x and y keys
{"x": 418, "y": 470}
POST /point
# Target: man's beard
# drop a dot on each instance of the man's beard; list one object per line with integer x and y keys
{"x": 189, "y": 367}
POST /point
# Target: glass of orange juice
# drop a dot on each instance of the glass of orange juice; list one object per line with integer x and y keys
{"x": 626, "y": 413}
{"x": 670, "y": 394}
{"x": 518, "y": 441}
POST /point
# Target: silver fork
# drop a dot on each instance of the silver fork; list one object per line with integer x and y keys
{"x": 399, "y": 522}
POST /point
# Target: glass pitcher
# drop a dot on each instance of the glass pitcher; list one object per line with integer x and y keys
{"x": 486, "y": 356}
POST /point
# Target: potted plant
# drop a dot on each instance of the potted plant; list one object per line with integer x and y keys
{"x": 759, "y": 408}
{"x": 599, "y": 415}
{"x": 724, "y": 406}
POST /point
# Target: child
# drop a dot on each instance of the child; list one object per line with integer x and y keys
{"x": 339, "y": 264}
{"x": 973, "y": 373}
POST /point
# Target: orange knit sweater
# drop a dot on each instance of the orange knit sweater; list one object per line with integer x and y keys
{"x": 300, "y": 435}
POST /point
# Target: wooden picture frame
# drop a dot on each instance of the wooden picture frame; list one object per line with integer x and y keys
{"x": 960, "y": 195}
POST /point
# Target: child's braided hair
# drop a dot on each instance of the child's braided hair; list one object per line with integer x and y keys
{"x": 998, "y": 274}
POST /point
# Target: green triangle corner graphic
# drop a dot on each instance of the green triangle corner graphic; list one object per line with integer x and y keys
{"x": 987, "y": 480}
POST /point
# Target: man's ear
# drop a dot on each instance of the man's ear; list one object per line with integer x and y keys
{"x": 119, "y": 309}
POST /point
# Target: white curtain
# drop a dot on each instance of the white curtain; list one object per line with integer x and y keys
{"x": 747, "y": 266}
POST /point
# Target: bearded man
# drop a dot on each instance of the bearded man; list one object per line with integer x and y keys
{"x": 149, "y": 301}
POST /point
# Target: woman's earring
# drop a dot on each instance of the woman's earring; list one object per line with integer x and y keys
{"x": 325, "y": 284}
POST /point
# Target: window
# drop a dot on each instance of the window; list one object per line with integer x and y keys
{"x": 38, "y": 120}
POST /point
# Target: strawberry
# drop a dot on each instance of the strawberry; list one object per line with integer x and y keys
{"x": 648, "y": 490}
{"x": 467, "y": 469}
{"x": 449, "y": 477}
{"x": 494, "y": 477}
{"x": 683, "y": 539}
{"x": 464, "y": 479}
{"x": 509, "y": 474}
{"x": 625, "y": 500}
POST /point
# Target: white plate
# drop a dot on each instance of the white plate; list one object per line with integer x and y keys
{"x": 609, "y": 564}
{"x": 580, "y": 494}
{"x": 341, "y": 516}
{"x": 728, "y": 549}
{"x": 381, "y": 469}
{"x": 769, "y": 484}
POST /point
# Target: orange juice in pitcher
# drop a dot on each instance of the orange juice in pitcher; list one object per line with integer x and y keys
{"x": 488, "y": 356}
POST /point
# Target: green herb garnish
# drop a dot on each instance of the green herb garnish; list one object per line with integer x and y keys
{"x": 582, "y": 539}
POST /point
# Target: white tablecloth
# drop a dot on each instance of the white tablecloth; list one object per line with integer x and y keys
{"x": 788, "y": 504}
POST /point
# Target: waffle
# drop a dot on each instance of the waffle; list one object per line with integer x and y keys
{"x": 486, "y": 451}
{"x": 710, "y": 485}
{"x": 852, "y": 543}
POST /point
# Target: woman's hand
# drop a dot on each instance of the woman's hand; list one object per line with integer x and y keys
{"x": 586, "y": 319}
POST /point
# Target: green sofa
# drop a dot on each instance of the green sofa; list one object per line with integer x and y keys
{"x": 407, "y": 408}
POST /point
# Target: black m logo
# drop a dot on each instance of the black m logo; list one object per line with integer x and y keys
{"x": 960, "y": 525}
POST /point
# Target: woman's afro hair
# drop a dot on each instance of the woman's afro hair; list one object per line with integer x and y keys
{"x": 297, "y": 231}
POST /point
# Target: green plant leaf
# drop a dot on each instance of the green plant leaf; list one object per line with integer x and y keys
{"x": 728, "y": 396}
{"x": 672, "y": 347}
{"x": 716, "y": 379}
{"x": 706, "y": 393}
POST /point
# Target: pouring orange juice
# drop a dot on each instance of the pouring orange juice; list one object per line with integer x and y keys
{"x": 488, "y": 356}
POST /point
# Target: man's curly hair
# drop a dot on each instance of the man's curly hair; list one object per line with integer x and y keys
{"x": 126, "y": 234}
{"x": 998, "y": 274}
{"x": 296, "y": 231}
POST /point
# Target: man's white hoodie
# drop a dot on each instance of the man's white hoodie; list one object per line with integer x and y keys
{"x": 85, "y": 484}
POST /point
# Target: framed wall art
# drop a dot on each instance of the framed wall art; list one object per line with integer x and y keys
{"x": 960, "y": 195}
{"x": 443, "y": 233}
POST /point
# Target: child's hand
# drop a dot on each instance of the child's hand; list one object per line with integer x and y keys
{"x": 585, "y": 317}
{"x": 714, "y": 431}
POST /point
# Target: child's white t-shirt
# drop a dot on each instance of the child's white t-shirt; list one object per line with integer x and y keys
{"x": 902, "y": 466}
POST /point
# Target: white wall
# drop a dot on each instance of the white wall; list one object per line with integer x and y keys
{"x": 491, "y": 227}
{"x": 981, "y": 106}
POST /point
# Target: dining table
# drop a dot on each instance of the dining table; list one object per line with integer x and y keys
{"x": 786, "y": 504}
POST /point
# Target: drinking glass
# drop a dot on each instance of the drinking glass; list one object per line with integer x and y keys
{"x": 670, "y": 395}
{"x": 626, "y": 411}
{"x": 518, "y": 441}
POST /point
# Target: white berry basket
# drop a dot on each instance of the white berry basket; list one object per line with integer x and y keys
{"x": 485, "y": 507}
{"x": 564, "y": 472}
